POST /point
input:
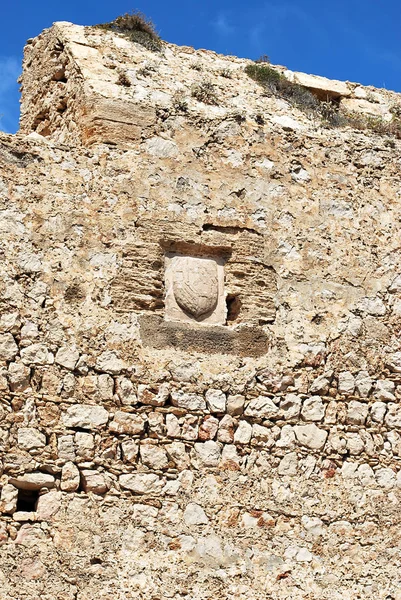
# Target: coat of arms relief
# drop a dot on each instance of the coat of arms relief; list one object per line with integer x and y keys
{"x": 195, "y": 289}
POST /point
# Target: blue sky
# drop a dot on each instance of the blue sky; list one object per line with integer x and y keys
{"x": 354, "y": 40}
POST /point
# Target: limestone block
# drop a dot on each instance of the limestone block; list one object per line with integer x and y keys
{"x": 366, "y": 475}
{"x": 360, "y": 92}
{"x": 18, "y": 377}
{"x": 262, "y": 407}
{"x": 152, "y": 396}
{"x": 394, "y": 362}
{"x": 189, "y": 401}
{"x": 33, "y": 481}
{"x": 313, "y": 525}
{"x": 70, "y": 477}
{"x": 377, "y": 411}
{"x": 37, "y": 354}
{"x": 313, "y": 409}
{"x": 235, "y": 405}
{"x": 331, "y": 87}
{"x": 361, "y": 105}
{"x": 173, "y": 426}
{"x": 320, "y": 385}
{"x": 385, "y": 390}
{"x": 216, "y": 401}
{"x": 310, "y": 436}
{"x": 290, "y": 406}
{"x": 346, "y": 382}
{"x": 156, "y": 424}
{"x": 372, "y": 306}
{"x": 130, "y": 423}
{"x": 69, "y": 384}
{"x": 386, "y": 478}
{"x": 208, "y": 453}
{"x": 105, "y": 385}
{"x": 160, "y": 147}
{"x": 48, "y": 505}
{"x": 130, "y": 450}
{"x": 337, "y": 442}
{"x": 243, "y": 433}
{"x": 142, "y": 483}
{"x": 30, "y": 438}
{"x": 363, "y": 384}
{"x": 225, "y": 433}
{"x": 288, "y": 123}
{"x": 357, "y": 412}
{"x": 67, "y": 357}
{"x": 230, "y": 457}
{"x": 93, "y": 481}
{"x": 153, "y": 456}
{"x": 209, "y": 551}
{"x": 8, "y": 499}
{"x": 393, "y": 416}
{"x": 125, "y": 390}
{"x": 85, "y": 445}
{"x": 189, "y": 427}
{"x": 8, "y": 347}
{"x": 288, "y": 464}
{"x": 208, "y": 428}
{"x": 65, "y": 447}
{"x": 3, "y": 384}
{"x": 195, "y": 515}
{"x": 177, "y": 452}
{"x": 109, "y": 362}
{"x": 355, "y": 443}
{"x": 262, "y": 436}
{"x": 287, "y": 437}
{"x": 86, "y": 416}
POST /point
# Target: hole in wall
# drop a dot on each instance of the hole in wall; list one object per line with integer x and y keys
{"x": 27, "y": 500}
{"x": 233, "y": 307}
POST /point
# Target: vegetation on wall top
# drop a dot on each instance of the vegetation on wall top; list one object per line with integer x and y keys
{"x": 136, "y": 27}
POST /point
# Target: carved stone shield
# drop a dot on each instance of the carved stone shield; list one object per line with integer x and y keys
{"x": 195, "y": 285}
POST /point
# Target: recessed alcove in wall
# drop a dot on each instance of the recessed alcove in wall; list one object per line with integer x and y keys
{"x": 27, "y": 500}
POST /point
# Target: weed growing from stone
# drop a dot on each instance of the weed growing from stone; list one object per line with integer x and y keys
{"x": 278, "y": 85}
{"x": 123, "y": 80}
{"x": 205, "y": 92}
{"x": 180, "y": 102}
{"x": 137, "y": 28}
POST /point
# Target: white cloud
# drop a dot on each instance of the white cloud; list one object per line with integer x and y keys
{"x": 10, "y": 70}
{"x": 222, "y": 25}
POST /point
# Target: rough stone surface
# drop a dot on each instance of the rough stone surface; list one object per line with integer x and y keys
{"x": 175, "y": 430}
{"x": 85, "y": 416}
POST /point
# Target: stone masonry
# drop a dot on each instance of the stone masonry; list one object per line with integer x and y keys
{"x": 200, "y": 314}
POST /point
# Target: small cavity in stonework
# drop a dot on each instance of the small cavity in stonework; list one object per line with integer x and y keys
{"x": 27, "y": 500}
{"x": 233, "y": 307}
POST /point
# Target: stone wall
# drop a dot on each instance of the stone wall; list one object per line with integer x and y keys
{"x": 200, "y": 365}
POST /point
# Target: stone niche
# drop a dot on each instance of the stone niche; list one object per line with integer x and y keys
{"x": 195, "y": 289}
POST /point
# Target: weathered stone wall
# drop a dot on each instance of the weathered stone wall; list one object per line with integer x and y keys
{"x": 243, "y": 446}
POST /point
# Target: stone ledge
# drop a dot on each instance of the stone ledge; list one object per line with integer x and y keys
{"x": 245, "y": 341}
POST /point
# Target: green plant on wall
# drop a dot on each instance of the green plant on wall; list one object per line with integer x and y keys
{"x": 328, "y": 111}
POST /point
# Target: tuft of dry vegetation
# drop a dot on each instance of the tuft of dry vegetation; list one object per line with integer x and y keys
{"x": 180, "y": 102}
{"x": 123, "y": 80}
{"x": 205, "y": 92}
{"x": 136, "y": 27}
{"x": 328, "y": 111}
